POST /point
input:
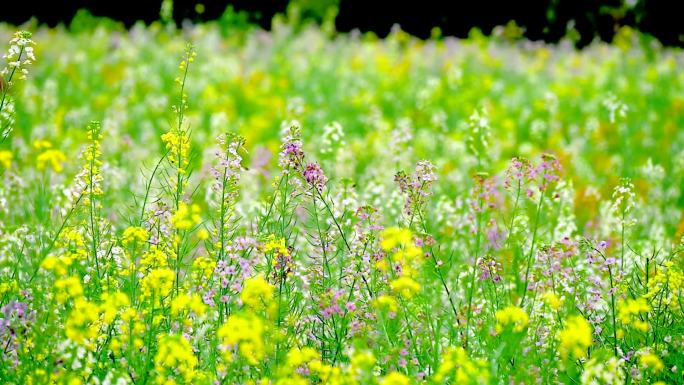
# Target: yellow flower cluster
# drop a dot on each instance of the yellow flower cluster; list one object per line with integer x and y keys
{"x": 68, "y": 289}
{"x": 134, "y": 235}
{"x": 551, "y": 299}
{"x": 175, "y": 358}
{"x": 157, "y": 284}
{"x": 458, "y": 368}
{"x": 5, "y": 158}
{"x": 188, "y": 302}
{"x": 153, "y": 259}
{"x": 399, "y": 242}
{"x": 395, "y": 237}
{"x": 511, "y": 317}
{"x": 203, "y": 267}
{"x": 81, "y": 326}
{"x": 575, "y": 338}
{"x": 112, "y": 304}
{"x": 386, "y": 303}
{"x": 275, "y": 244}
{"x": 257, "y": 293}
{"x": 186, "y": 216}
{"x": 630, "y": 311}
{"x": 53, "y": 158}
{"x": 92, "y": 175}
{"x": 395, "y": 378}
{"x": 648, "y": 360}
{"x": 669, "y": 279}
{"x": 247, "y": 333}
{"x": 177, "y": 144}
{"x": 405, "y": 286}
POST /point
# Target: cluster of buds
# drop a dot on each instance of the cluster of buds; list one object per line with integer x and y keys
{"x": 19, "y": 56}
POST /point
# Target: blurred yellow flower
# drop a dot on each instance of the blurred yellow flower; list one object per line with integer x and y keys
{"x": 5, "y": 158}
{"x": 511, "y": 316}
{"x": 575, "y": 338}
{"x": 54, "y": 158}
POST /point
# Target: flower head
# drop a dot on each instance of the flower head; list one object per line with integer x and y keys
{"x": 575, "y": 338}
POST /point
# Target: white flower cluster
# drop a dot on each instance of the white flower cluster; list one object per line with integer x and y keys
{"x": 19, "y": 56}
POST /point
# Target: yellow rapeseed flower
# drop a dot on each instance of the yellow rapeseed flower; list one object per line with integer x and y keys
{"x": 648, "y": 360}
{"x": 458, "y": 368}
{"x": 158, "y": 283}
{"x": 405, "y": 286}
{"x": 386, "y": 302}
{"x": 175, "y": 357}
{"x": 186, "y": 217}
{"x": 247, "y": 332}
{"x": 395, "y": 378}
{"x": 257, "y": 293}
{"x": 511, "y": 316}
{"x": 575, "y": 338}
{"x": 81, "y": 326}
{"x": 51, "y": 157}
{"x": 395, "y": 237}
{"x": 68, "y": 288}
{"x": 5, "y": 159}
{"x": 630, "y": 312}
{"x": 134, "y": 234}
{"x": 275, "y": 244}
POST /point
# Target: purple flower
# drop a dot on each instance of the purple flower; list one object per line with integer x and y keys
{"x": 314, "y": 176}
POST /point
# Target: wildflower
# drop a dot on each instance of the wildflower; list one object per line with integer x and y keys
{"x": 185, "y": 302}
{"x": 386, "y": 302}
{"x": 394, "y": 237}
{"x": 291, "y": 152}
{"x": 246, "y": 332}
{"x": 630, "y": 311}
{"x": 54, "y": 158}
{"x": 275, "y": 244}
{"x": 667, "y": 286}
{"x": 551, "y": 299}
{"x": 333, "y": 136}
{"x": 458, "y": 368}
{"x": 59, "y": 265}
{"x": 175, "y": 358}
{"x": 417, "y": 187}
{"x": 91, "y": 175}
{"x": 134, "y": 235}
{"x": 395, "y": 378}
{"x": 314, "y": 176}
{"x": 154, "y": 258}
{"x": 648, "y": 360}
{"x": 203, "y": 267}
{"x": 603, "y": 372}
{"x": 478, "y": 137}
{"x": 158, "y": 283}
{"x": 623, "y": 198}
{"x": 575, "y": 338}
{"x": 257, "y": 293}
{"x": 186, "y": 216}
{"x": 81, "y": 324}
{"x": 5, "y": 158}
{"x": 297, "y": 357}
{"x": 177, "y": 142}
{"x": 405, "y": 286}
{"x": 511, "y": 316}
{"x": 112, "y": 304}
{"x": 19, "y": 56}
{"x": 68, "y": 288}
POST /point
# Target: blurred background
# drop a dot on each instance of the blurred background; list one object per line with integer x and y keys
{"x": 547, "y": 20}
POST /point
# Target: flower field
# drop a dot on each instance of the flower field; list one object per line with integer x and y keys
{"x": 214, "y": 205}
